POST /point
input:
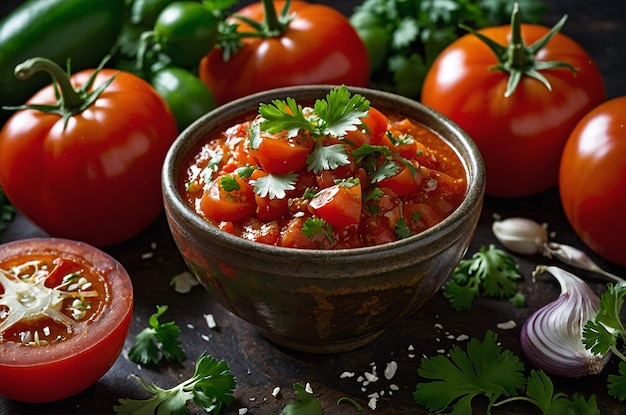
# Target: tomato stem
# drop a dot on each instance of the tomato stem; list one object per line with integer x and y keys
{"x": 71, "y": 101}
{"x": 275, "y": 25}
{"x": 518, "y": 59}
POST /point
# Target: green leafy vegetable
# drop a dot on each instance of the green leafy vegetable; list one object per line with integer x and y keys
{"x": 605, "y": 331}
{"x": 339, "y": 113}
{"x": 306, "y": 404}
{"x": 7, "y": 212}
{"x": 275, "y": 186}
{"x": 210, "y": 388}
{"x": 403, "y": 37}
{"x": 315, "y": 226}
{"x": 490, "y": 271}
{"x": 158, "y": 341}
{"x": 487, "y": 370}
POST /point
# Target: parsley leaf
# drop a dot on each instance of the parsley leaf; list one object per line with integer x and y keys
{"x": 306, "y": 404}
{"x": 327, "y": 157}
{"x": 157, "y": 341}
{"x": 341, "y": 112}
{"x": 603, "y": 332}
{"x": 210, "y": 388}
{"x": 490, "y": 271}
{"x": 275, "y": 186}
{"x": 315, "y": 226}
{"x": 484, "y": 369}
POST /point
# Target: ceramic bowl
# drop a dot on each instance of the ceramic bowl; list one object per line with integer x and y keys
{"x": 321, "y": 301}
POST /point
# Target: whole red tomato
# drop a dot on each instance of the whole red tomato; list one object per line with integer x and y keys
{"x": 317, "y": 46}
{"x": 520, "y": 136}
{"x": 592, "y": 179}
{"x": 95, "y": 175}
{"x": 66, "y": 310}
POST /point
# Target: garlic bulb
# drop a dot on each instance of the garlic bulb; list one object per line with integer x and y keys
{"x": 521, "y": 235}
{"x": 552, "y": 337}
{"x": 527, "y": 237}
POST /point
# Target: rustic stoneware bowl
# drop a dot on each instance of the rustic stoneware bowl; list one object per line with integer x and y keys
{"x": 315, "y": 300}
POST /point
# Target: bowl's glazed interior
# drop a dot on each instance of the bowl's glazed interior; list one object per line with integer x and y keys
{"x": 316, "y": 300}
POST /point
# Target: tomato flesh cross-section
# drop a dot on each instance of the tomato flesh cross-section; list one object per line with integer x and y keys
{"x": 65, "y": 310}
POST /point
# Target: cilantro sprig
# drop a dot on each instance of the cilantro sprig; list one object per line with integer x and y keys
{"x": 487, "y": 370}
{"x": 211, "y": 388}
{"x": 159, "y": 341}
{"x": 489, "y": 271}
{"x": 603, "y": 334}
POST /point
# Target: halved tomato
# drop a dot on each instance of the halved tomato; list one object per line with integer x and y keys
{"x": 65, "y": 310}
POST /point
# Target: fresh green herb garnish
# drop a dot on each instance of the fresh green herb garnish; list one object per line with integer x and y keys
{"x": 351, "y": 401}
{"x": 229, "y": 183}
{"x": 334, "y": 116}
{"x": 402, "y": 229}
{"x": 316, "y": 226}
{"x": 306, "y": 404}
{"x": 490, "y": 271}
{"x": 487, "y": 370}
{"x": 210, "y": 388}
{"x": 158, "y": 341}
{"x": 275, "y": 186}
{"x": 7, "y": 212}
{"x": 387, "y": 169}
{"x": 603, "y": 333}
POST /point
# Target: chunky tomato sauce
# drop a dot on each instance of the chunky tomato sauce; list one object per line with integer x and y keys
{"x": 389, "y": 179}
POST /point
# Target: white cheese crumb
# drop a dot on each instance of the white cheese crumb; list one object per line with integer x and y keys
{"x": 276, "y": 391}
{"x": 252, "y": 399}
{"x": 190, "y": 326}
{"x": 390, "y": 370}
{"x": 308, "y": 388}
{"x": 411, "y": 355}
{"x": 371, "y": 377}
{"x": 411, "y": 348}
{"x": 462, "y": 337}
{"x": 242, "y": 411}
{"x": 205, "y": 338}
{"x": 441, "y": 351}
{"x": 394, "y": 387}
{"x": 507, "y": 325}
{"x": 210, "y": 321}
{"x": 438, "y": 326}
{"x": 372, "y": 403}
{"x": 147, "y": 255}
{"x": 183, "y": 282}
{"x": 346, "y": 375}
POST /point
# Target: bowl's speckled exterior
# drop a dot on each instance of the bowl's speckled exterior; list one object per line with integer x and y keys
{"x": 313, "y": 300}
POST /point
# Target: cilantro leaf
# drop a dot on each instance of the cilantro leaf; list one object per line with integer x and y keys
{"x": 284, "y": 115}
{"x": 540, "y": 390}
{"x": 484, "y": 369}
{"x": 341, "y": 112}
{"x": 275, "y": 186}
{"x": 617, "y": 383}
{"x": 160, "y": 340}
{"x": 490, "y": 271}
{"x": 306, "y": 404}
{"x": 210, "y": 388}
{"x": 327, "y": 157}
{"x": 316, "y": 226}
{"x": 602, "y": 333}
{"x": 402, "y": 229}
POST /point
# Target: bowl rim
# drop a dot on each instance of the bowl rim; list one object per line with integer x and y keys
{"x": 473, "y": 165}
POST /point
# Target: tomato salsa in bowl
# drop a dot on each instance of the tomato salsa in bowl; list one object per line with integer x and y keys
{"x": 322, "y": 214}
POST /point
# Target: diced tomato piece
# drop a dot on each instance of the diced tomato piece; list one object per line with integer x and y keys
{"x": 405, "y": 182}
{"x": 339, "y": 205}
{"x": 223, "y": 205}
{"x": 279, "y": 154}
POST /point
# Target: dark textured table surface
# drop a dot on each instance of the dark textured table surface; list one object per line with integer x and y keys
{"x": 259, "y": 366}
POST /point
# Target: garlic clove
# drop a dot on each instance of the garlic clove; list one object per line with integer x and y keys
{"x": 521, "y": 235}
{"x": 552, "y": 337}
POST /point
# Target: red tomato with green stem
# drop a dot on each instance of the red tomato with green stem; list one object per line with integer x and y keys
{"x": 592, "y": 179}
{"x": 519, "y": 103}
{"x": 87, "y": 167}
{"x": 65, "y": 311}
{"x": 306, "y": 44}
